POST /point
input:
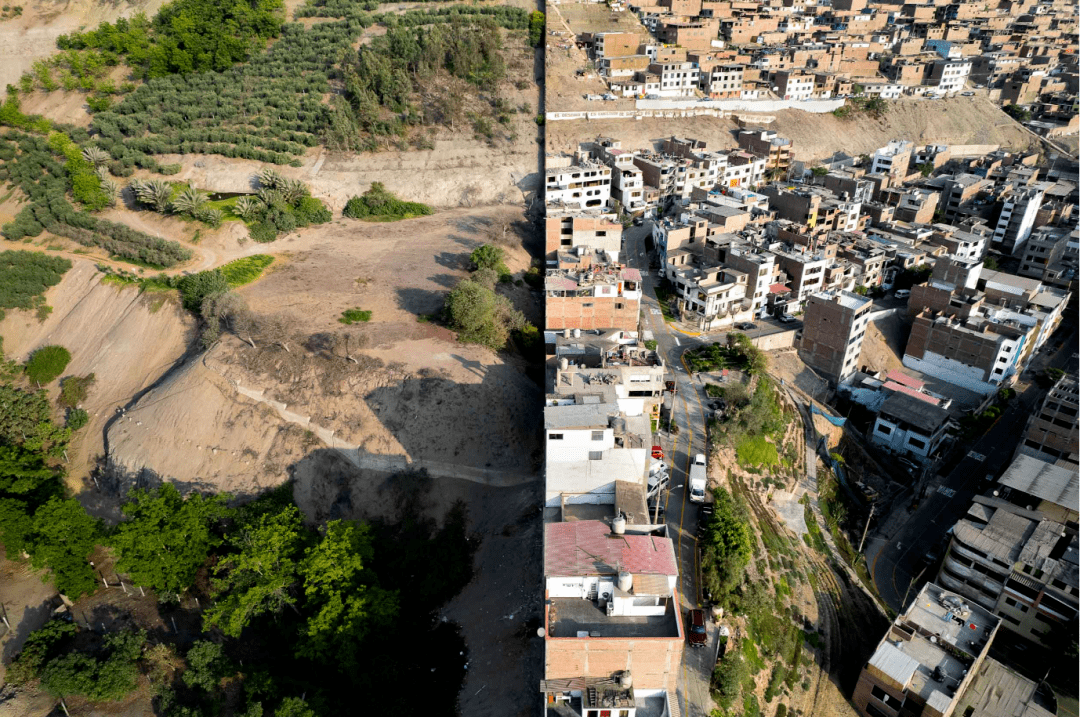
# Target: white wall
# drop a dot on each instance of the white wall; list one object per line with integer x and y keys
{"x": 951, "y": 371}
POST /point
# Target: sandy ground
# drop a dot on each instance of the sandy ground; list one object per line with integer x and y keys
{"x": 32, "y": 36}
{"x": 410, "y": 381}
{"x": 959, "y": 121}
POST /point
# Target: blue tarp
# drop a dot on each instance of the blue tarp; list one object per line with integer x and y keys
{"x": 835, "y": 420}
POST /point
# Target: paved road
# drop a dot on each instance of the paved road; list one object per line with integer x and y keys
{"x": 686, "y": 409}
{"x": 895, "y": 559}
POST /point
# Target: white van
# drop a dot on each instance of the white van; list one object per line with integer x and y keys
{"x": 902, "y": 293}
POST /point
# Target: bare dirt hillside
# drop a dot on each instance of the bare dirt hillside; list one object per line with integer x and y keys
{"x": 126, "y": 339}
{"x": 816, "y": 136}
{"x": 32, "y": 36}
{"x": 393, "y": 391}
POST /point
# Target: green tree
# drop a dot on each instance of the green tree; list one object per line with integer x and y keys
{"x": 74, "y": 389}
{"x": 343, "y": 595}
{"x": 110, "y": 675}
{"x": 62, "y": 539}
{"x": 489, "y": 256}
{"x": 1018, "y": 113}
{"x": 196, "y": 288}
{"x": 41, "y": 646}
{"x": 207, "y": 665}
{"x": 536, "y": 28}
{"x": 16, "y": 523}
{"x": 293, "y": 707}
{"x": 47, "y": 363}
{"x": 167, "y": 538}
{"x": 259, "y": 578}
{"x": 819, "y": 171}
{"x": 727, "y": 546}
{"x": 480, "y": 316}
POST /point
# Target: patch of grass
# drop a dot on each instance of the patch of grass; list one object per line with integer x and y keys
{"x": 246, "y": 270}
{"x": 813, "y": 638}
{"x": 756, "y": 451}
{"x": 354, "y": 316}
{"x": 779, "y": 673}
{"x": 650, "y": 344}
{"x": 753, "y": 659}
{"x": 817, "y": 540}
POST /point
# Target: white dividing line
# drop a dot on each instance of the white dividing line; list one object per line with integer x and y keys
{"x": 676, "y": 340}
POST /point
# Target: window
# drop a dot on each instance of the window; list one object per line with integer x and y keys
{"x": 587, "y": 305}
{"x": 912, "y": 441}
{"x": 618, "y": 305}
{"x": 596, "y": 455}
{"x": 1010, "y": 618}
{"x": 555, "y": 436}
{"x": 598, "y": 435}
{"x": 884, "y": 697}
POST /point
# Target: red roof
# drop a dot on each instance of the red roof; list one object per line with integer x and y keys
{"x": 894, "y": 386}
{"x": 589, "y": 547}
{"x": 778, "y": 289}
{"x": 903, "y": 378}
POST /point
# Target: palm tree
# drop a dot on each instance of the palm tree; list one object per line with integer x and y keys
{"x": 210, "y": 216}
{"x": 247, "y": 207}
{"x": 189, "y": 201}
{"x": 111, "y": 190}
{"x": 293, "y": 190}
{"x": 270, "y": 197}
{"x": 153, "y": 192}
{"x": 95, "y": 155}
{"x": 270, "y": 178}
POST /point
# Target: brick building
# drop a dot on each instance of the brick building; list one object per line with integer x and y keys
{"x": 833, "y": 327}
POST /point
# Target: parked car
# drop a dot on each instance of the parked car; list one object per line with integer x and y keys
{"x": 967, "y": 94}
{"x": 705, "y": 512}
{"x": 909, "y": 465}
{"x": 786, "y": 318}
{"x": 658, "y": 452}
{"x": 696, "y": 633}
{"x": 902, "y": 293}
{"x": 745, "y": 326}
{"x": 638, "y": 221}
{"x": 659, "y": 513}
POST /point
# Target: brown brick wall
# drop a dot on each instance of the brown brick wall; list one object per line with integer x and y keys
{"x": 571, "y": 313}
{"x": 654, "y": 662}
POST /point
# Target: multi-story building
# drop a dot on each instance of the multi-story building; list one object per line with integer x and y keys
{"x": 613, "y": 635}
{"x": 893, "y": 158}
{"x": 1017, "y": 219}
{"x": 794, "y": 85}
{"x": 591, "y": 294}
{"x": 949, "y": 75}
{"x": 569, "y": 231}
{"x": 1016, "y": 551}
{"x": 677, "y": 79}
{"x": 761, "y": 272}
{"x": 927, "y": 659}
{"x": 765, "y": 143}
{"x": 834, "y": 324}
{"x": 722, "y": 81}
{"x": 960, "y": 190}
{"x": 1043, "y": 253}
{"x": 1051, "y": 434}
{"x": 910, "y": 423}
{"x": 805, "y": 273}
{"x": 586, "y": 185}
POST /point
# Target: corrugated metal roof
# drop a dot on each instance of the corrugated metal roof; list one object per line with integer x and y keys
{"x": 915, "y": 412}
{"x": 589, "y": 547}
{"x": 1043, "y": 480}
{"x": 907, "y": 391}
{"x": 651, "y": 585}
{"x": 890, "y": 660}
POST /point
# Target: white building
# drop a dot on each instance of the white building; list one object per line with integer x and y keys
{"x": 590, "y": 446}
{"x": 1017, "y": 219}
{"x": 634, "y": 575}
{"x": 950, "y": 75}
{"x": 677, "y": 79}
{"x": 910, "y": 424}
{"x": 585, "y": 185}
{"x": 895, "y": 152}
{"x": 883, "y": 90}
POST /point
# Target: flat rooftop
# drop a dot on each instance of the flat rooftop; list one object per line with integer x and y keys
{"x": 997, "y": 691}
{"x": 569, "y": 616}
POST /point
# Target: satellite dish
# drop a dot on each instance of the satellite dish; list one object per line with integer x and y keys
{"x": 540, "y": 632}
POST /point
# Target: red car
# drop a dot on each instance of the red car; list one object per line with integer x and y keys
{"x": 696, "y": 634}
{"x": 658, "y": 453}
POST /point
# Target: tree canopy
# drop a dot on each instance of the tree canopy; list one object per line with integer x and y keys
{"x": 260, "y": 577}
{"x": 167, "y": 538}
{"x": 480, "y": 316}
{"x": 62, "y": 538}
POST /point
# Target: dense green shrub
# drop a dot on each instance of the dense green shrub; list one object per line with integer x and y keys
{"x": 378, "y": 204}
{"x": 196, "y": 287}
{"x": 25, "y": 275}
{"x": 480, "y": 316}
{"x": 77, "y": 418}
{"x": 73, "y": 390}
{"x": 47, "y": 363}
{"x": 536, "y": 28}
{"x": 262, "y": 232}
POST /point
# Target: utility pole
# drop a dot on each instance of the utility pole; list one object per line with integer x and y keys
{"x": 913, "y": 581}
{"x": 863, "y": 539}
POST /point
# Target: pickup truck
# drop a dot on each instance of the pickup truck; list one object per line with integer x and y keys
{"x": 698, "y": 479}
